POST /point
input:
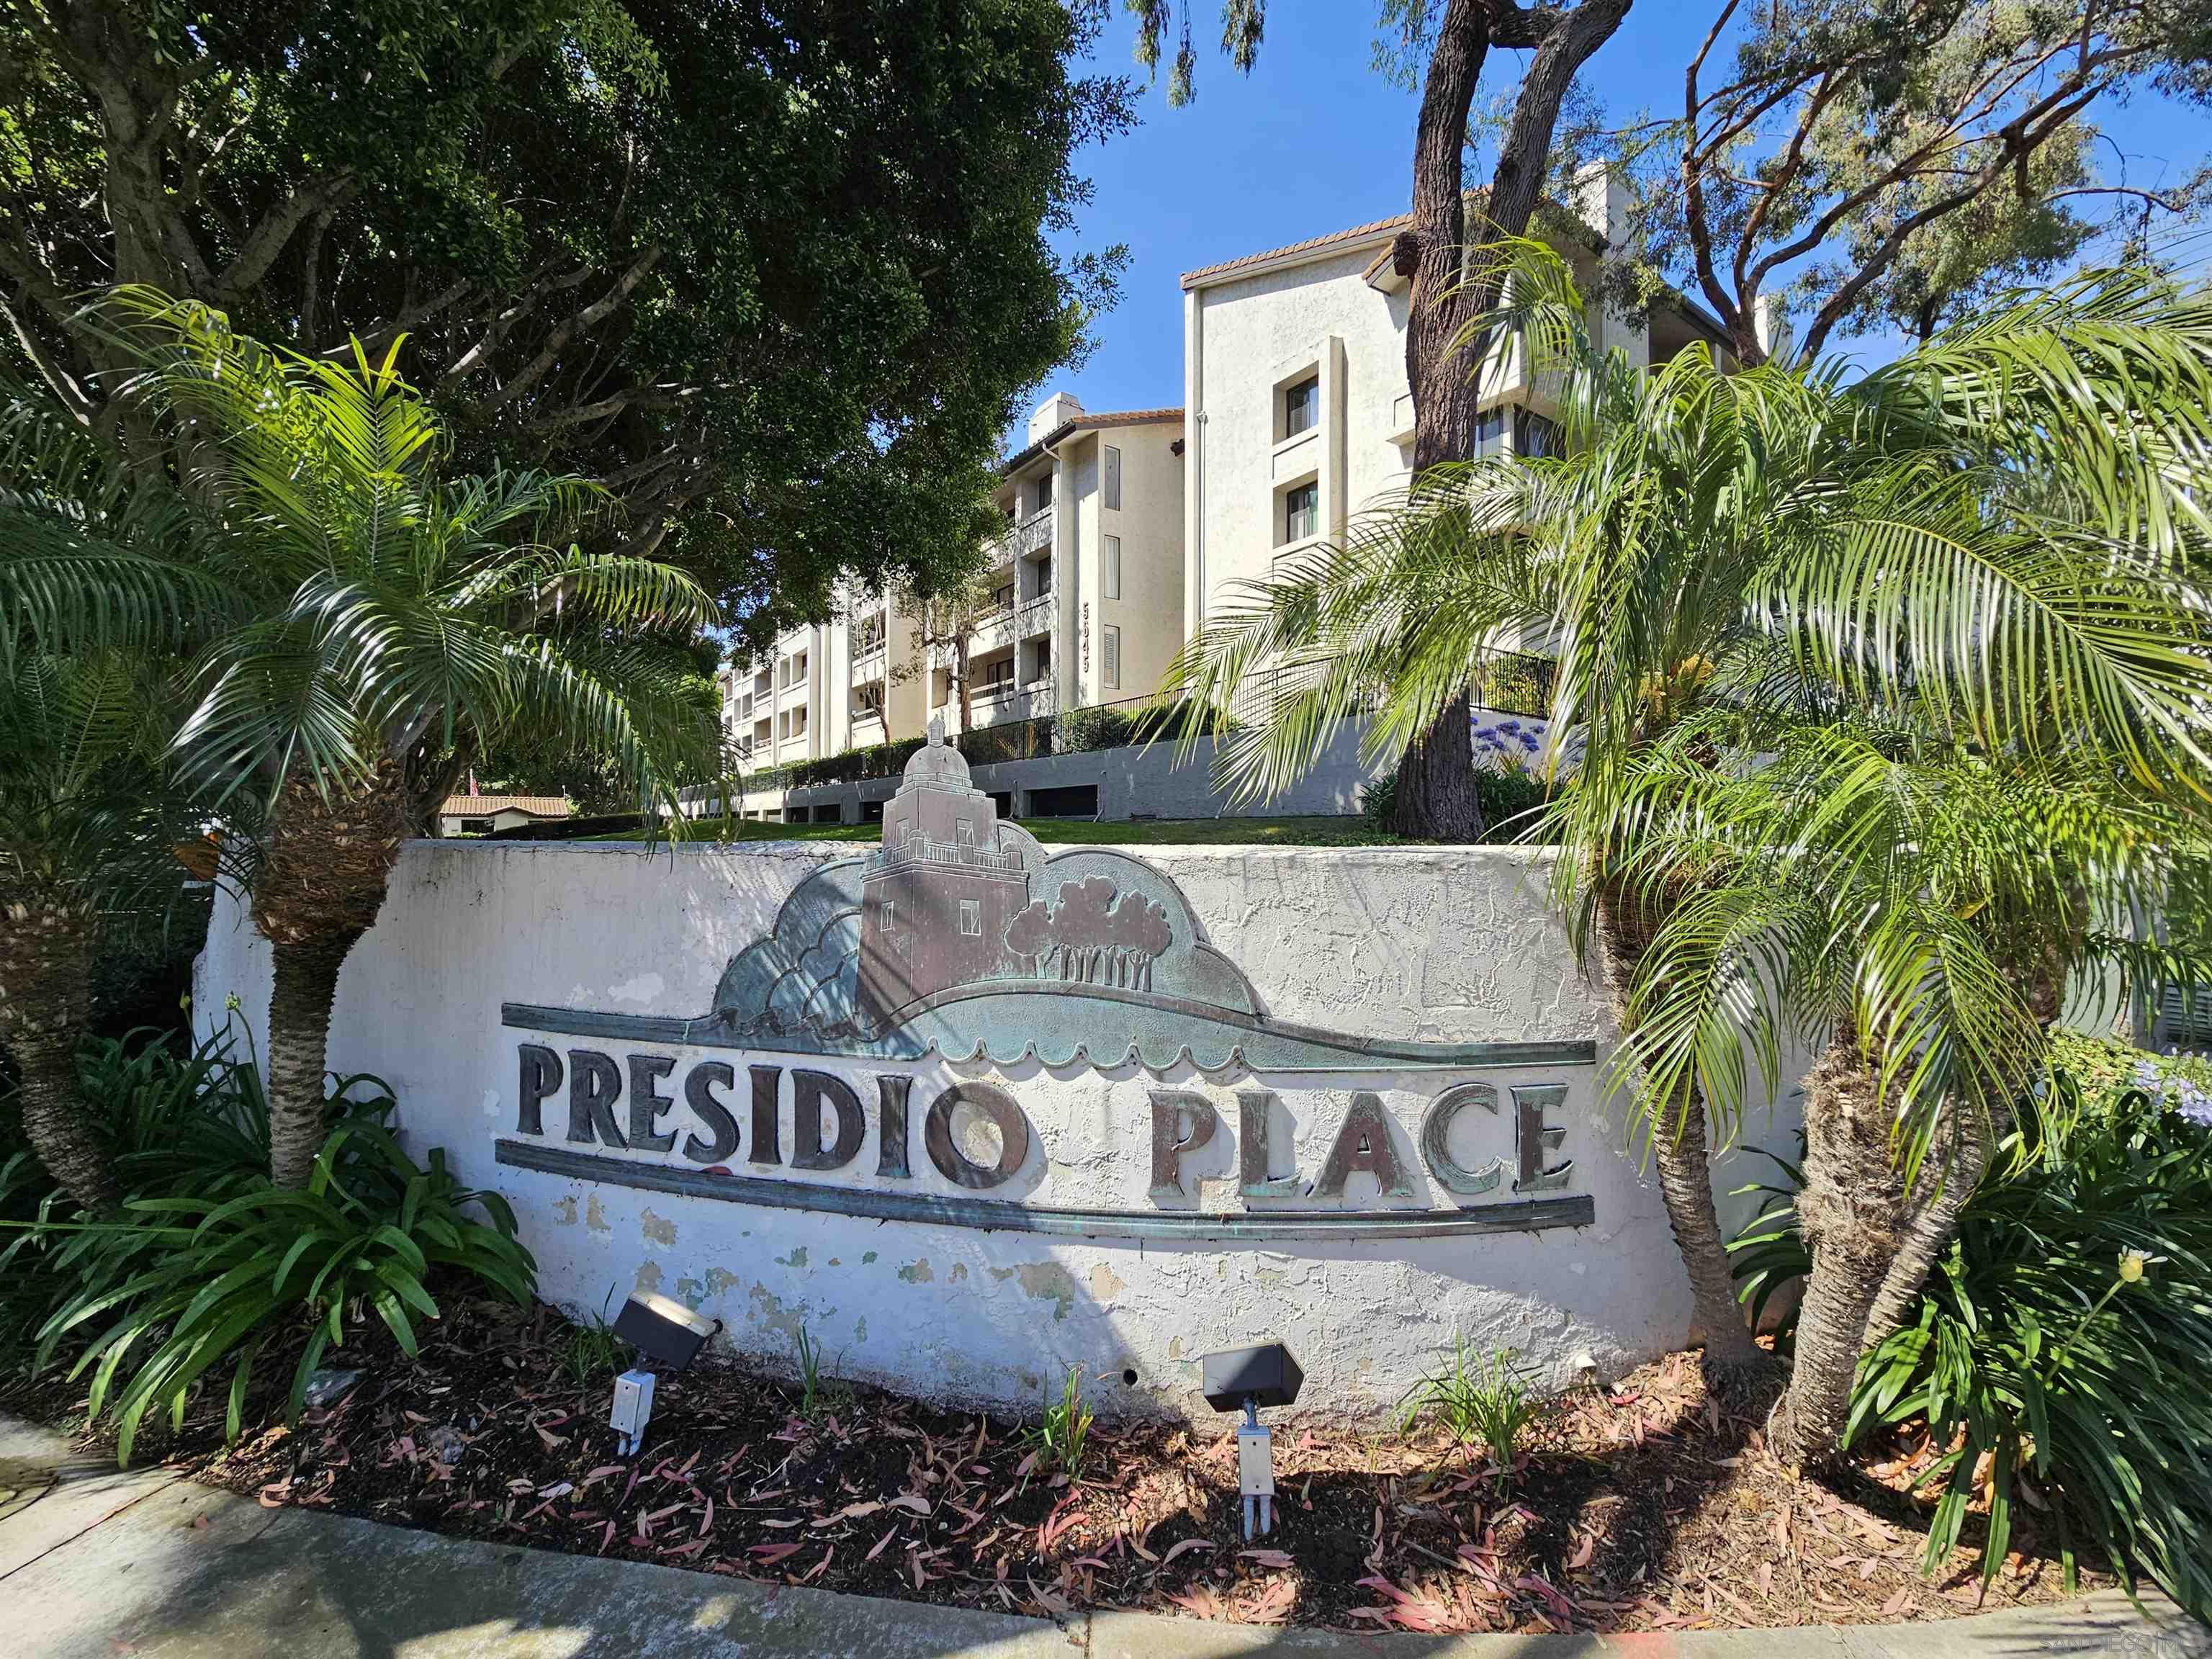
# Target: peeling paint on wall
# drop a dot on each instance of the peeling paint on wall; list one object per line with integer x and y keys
{"x": 656, "y": 1229}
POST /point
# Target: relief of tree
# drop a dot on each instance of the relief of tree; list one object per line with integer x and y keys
{"x": 1090, "y": 937}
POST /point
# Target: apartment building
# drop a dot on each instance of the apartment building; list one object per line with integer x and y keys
{"x": 1085, "y": 583}
{"x": 1294, "y": 373}
{"x": 827, "y": 687}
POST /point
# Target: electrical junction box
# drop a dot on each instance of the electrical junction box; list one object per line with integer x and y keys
{"x": 633, "y": 1406}
{"x": 1255, "y": 1461}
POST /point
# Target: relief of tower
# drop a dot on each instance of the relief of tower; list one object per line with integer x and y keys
{"x": 938, "y": 893}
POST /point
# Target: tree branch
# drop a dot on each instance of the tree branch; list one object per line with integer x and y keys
{"x": 268, "y": 238}
{"x": 589, "y": 316}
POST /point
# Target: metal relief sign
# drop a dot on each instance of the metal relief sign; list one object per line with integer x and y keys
{"x": 959, "y": 940}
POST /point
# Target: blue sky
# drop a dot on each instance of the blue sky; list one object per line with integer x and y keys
{"x": 1316, "y": 140}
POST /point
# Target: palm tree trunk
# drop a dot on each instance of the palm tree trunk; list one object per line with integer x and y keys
{"x": 321, "y": 883}
{"x": 300, "y": 1004}
{"x": 45, "y": 985}
{"x": 1851, "y": 1209}
{"x": 1932, "y": 1225}
{"x": 1679, "y": 1153}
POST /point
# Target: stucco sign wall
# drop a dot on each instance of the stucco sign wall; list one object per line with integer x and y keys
{"x": 968, "y": 1113}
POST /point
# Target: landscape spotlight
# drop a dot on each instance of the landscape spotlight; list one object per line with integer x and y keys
{"x": 663, "y": 1331}
{"x": 1245, "y": 1379}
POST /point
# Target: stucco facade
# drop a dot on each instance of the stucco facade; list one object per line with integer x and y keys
{"x": 1087, "y": 579}
{"x": 1450, "y": 946}
{"x": 1318, "y": 331}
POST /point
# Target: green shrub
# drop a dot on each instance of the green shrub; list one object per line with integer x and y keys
{"x": 1081, "y": 730}
{"x": 2057, "y": 1353}
{"x": 211, "y": 1264}
{"x": 1507, "y": 797}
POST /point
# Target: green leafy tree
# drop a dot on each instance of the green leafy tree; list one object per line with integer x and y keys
{"x": 1987, "y": 542}
{"x": 1443, "y": 46}
{"x": 771, "y": 277}
{"x": 92, "y": 603}
{"x": 395, "y": 620}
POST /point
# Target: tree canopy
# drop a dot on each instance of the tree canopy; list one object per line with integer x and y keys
{"x": 1881, "y": 164}
{"x": 776, "y": 279}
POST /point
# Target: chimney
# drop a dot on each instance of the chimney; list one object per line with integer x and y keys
{"x": 1054, "y": 413}
{"x": 1769, "y": 324}
{"x": 1601, "y": 201}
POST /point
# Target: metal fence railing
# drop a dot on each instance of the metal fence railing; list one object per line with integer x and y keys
{"x": 1506, "y": 682}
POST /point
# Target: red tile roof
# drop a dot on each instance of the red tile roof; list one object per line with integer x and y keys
{"x": 1021, "y": 458}
{"x": 483, "y": 807}
{"x": 1565, "y": 217}
{"x": 1312, "y": 244}
{"x": 1128, "y": 417}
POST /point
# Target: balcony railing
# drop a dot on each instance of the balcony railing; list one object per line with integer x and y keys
{"x": 1031, "y": 535}
{"x": 920, "y": 849}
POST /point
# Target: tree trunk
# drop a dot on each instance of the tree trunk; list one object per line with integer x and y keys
{"x": 1850, "y": 1210}
{"x": 1932, "y": 1224}
{"x": 1436, "y": 799}
{"x": 321, "y": 883}
{"x": 45, "y": 985}
{"x": 1436, "y": 796}
{"x": 300, "y": 1003}
{"x": 1961, "y": 1158}
{"x": 1679, "y": 1151}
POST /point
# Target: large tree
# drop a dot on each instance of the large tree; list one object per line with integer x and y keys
{"x": 1447, "y": 257}
{"x": 1872, "y": 164}
{"x": 773, "y": 276}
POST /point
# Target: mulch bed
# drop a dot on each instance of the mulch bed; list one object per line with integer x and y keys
{"x": 1651, "y": 1505}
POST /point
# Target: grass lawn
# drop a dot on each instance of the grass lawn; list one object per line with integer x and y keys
{"x": 1349, "y": 830}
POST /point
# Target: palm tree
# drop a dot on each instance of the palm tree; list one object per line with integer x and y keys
{"x": 92, "y": 596}
{"x": 1992, "y": 536}
{"x": 1924, "y": 904}
{"x": 397, "y": 624}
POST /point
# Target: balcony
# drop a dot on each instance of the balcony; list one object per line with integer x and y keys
{"x": 1031, "y": 535}
{"x": 1034, "y": 614}
{"x": 868, "y": 658}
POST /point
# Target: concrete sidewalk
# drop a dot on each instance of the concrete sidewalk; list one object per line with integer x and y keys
{"x": 95, "y": 1563}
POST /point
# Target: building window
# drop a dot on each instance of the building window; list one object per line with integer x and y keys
{"x": 972, "y": 918}
{"x": 1110, "y": 569}
{"x": 964, "y": 832}
{"x": 1301, "y": 511}
{"x": 1003, "y": 596}
{"x": 1110, "y": 657}
{"x": 1043, "y": 495}
{"x": 1534, "y": 435}
{"x": 886, "y": 915}
{"x": 1301, "y": 406}
{"x": 1490, "y": 432}
{"x": 1113, "y": 485}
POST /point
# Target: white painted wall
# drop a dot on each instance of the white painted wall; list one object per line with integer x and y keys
{"x": 1447, "y": 944}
